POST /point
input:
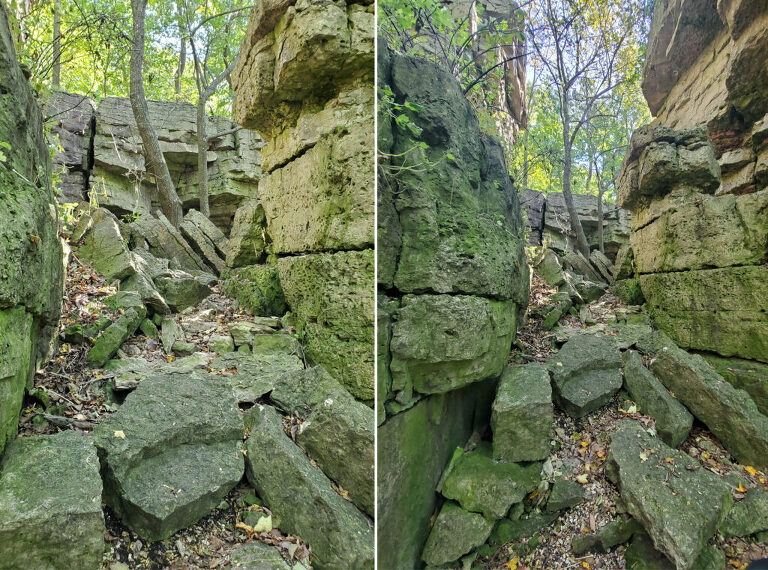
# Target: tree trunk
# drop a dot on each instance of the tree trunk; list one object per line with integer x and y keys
{"x": 578, "y": 231}
{"x": 600, "y": 192}
{"x": 56, "y": 79}
{"x": 182, "y": 48}
{"x": 525, "y": 160}
{"x": 202, "y": 156}
{"x": 153, "y": 156}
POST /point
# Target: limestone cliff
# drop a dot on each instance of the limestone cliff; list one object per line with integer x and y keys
{"x": 696, "y": 180}
{"x": 453, "y": 281}
{"x": 305, "y": 82}
{"x": 31, "y": 266}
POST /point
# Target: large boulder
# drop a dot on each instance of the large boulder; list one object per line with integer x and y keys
{"x": 678, "y": 503}
{"x": 171, "y": 452}
{"x": 248, "y": 238}
{"x": 31, "y": 266}
{"x": 456, "y": 533}
{"x": 302, "y": 497}
{"x": 50, "y": 503}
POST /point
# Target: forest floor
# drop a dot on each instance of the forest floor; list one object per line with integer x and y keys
{"x": 77, "y": 398}
{"x": 582, "y": 445}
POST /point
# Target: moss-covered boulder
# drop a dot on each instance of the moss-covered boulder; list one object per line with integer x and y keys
{"x": 455, "y": 533}
{"x": 680, "y": 511}
{"x": 564, "y": 495}
{"x": 50, "y": 503}
{"x": 257, "y": 288}
{"x": 302, "y": 498}
{"x": 629, "y": 291}
{"x": 109, "y": 341}
{"x": 31, "y": 266}
{"x": 444, "y": 342}
{"x": 171, "y": 452}
{"x": 248, "y": 237}
{"x": 748, "y": 516}
{"x": 747, "y": 375}
{"x": 523, "y": 416}
{"x": 331, "y": 296}
{"x": 481, "y": 484}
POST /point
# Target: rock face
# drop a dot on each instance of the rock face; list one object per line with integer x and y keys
{"x": 452, "y": 280}
{"x": 50, "y": 501}
{"x": 31, "y": 265}
{"x": 547, "y": 221}
{"x": 101, "y": 156}
{"x": 679, "y": 511}
{"x": 695, "y": 179}
{"x": 304, "y": 80}
{"x": 174, "y": 433}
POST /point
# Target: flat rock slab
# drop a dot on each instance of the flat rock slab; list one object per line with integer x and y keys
{"x": 565, "y": 494}
{"x": 302, "y": 497}
{"x": 455, "y": 533}
{"x": 748, "y": 516}
{"x": 50, "y": 503}
{"x": 728, "y": 412}
{"x": 109, "y": 341}
{"x": 522, "y": 415}
{"x": 673, "y": 420}
{"x": 679, "y": 508}
{"x": 257, "y": 374}
{"x": 258, "y": 556}
{"x": 181, "y": 289}
{"x": 586, "y": 373}
{"x": 482, "y": 485}
{"x": 171, "y": 452}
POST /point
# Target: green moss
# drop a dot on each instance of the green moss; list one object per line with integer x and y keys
{"x": 257, "y": 288}
{"x": 16, "y": 367}
{"x": 629, "y": 291}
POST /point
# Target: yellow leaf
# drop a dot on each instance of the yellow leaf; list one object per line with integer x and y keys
{"x": 632, "y": 409}
{"x": 585, "y": 565}
{"x": 245, "y": 527}
{"x": 534, "y": 494}
{"x": 582, "y": 478}
{"x": 264, "y": 524}
{"x": 584, "y": 444}
{"x": 762, "y": 480}
{"x": 741, "y": 488}
{"x": 705, "y": 455}
{"x": 751, "y": 470}
{"x": 512, "y": 564}
{"x": 119, "y": 433}
{"x": 558, "y": 363}
{"x": 170, "y": 358}
{"x": 669, "y": 460}
{"x": 643, "y": 457}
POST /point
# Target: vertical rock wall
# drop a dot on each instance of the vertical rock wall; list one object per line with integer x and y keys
{"x": 31, "y": 266}
{"x": 453, "y": 282}
{"x": 696, "y": 180}
{"x": 305, "y": 82}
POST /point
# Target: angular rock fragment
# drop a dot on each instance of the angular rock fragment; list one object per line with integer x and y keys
{"x": 181, "y": 290}
{"x": 522, "y": 415}
{"x": 454, "y": 534}
{"x": 258, "y": 556}
{"x": 202, "y": 245}
{"x": 679, "y": 504}
{"x": 256, "y": 374}
{"x": 586, "y": 373}
{"x": 673, "y": 421}
{"x": 248, "y": 239}
{"x": 257, "y": 288}
{"x": 301, "y": 496}
{"x": 103, "y": 247}
{"x": 171, "y": 452}
{"x": 748, "y": 516}
{"x": 564, "y": 495}
{"x": 107, "y": 343}
{"x": 482, "y": 485}
{"x": 50, "y": 503}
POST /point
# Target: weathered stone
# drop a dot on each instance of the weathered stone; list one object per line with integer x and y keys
{"x": 149, "y": 329}
{"x": 257, "y": 288}
{"x": 331, "y": 296}
{"x": 221, "y": 343}
{"x": 586, "y": 373}
{"x": 575, "y": 261}
{"x": 508, "y": 530}
{"x": 103, "y": 247}
{"x": 629, "y": 291}
{"x": 549, "y": 268}
{"x": 522, "y": 414}
{"x": 248, "y": 238}
{"x": 181, "y": 290}
{"x": 165, "y": 241}
{"x": 106, "y": 345}
{"x": 610, "y": 535}
{"x": 747, "y": 375}
{"x": 564, "y": 495}
{"x": 748, "y": 516}
{"x": 258, "y": 556}
{"x": 183, "y": 348}
{"x": 124, "y": 300}
{"x": 210, "y": 230}
{"x": 673, "y": 421}
{"x": 302, "y": 497}
{"x": 602, "y": 264}
{"x": 641, "y": 555}
{"x": 171, "y": 452}
{"x": 624, "y": 267}
{"x": 50, "y": 503}
{"x": 680, "y": 512}
{"x": 170, "y": 333}
{"x": 719, "y": 312}
{"x": 16, "y": 367}
{"x": 534, "y": 204}
{"x": 202, "y": 245}
{"x": 561, "y": 303}
{"x": 338, "y": 435}
{"x": 454, "y": 534}
{"x": 256, "y": 374}
{"x": 243, "y": 332}
{"x": 407, "y": 476}
{"x": 728, "y": 412}
{"x": 589, "y": 291}
{"x": 481, "y": 485}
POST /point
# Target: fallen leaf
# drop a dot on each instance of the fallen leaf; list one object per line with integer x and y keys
{"x": 643, "y": 457}
{"x": 264, "y": 524}
{"x": 582, "y": 478}
{"x": 119, "y": 433}
{"x": 512, "y": 564}
{"x": 751, "y": 470}
{"x": 741, "y": 488}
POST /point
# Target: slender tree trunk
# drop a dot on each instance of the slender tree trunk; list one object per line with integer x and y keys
{"x": 578, "y": 231}
{"x": 182, "y": 48}
{"x": 56, "y": 79}
{"x": 153, "y": 156}
{"x": 202, "y": 156}
{"x": 600, "y": 192}
{"x": 525, "y": 160}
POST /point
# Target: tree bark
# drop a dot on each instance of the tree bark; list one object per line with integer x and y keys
{"x": 578, "y": 231}
{"x": 182, "y": 48}
{"x": 600, "y": 192}
{"x": 56, "y": 79}
{"x": 153, "y": 156}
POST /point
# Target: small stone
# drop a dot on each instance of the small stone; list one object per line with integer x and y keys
{"x": 123, "y": 300}
{"x": 171, "y": 332}
{"x": 107, "y": 344}
{"x": 149, "y": 329}
{"x": 221, "y": 344}
{"x": 183, "y": 348}
{"x": 565, "y": 494}
{"x": 510, "y": 529}
{"x": 455, "y": 533}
